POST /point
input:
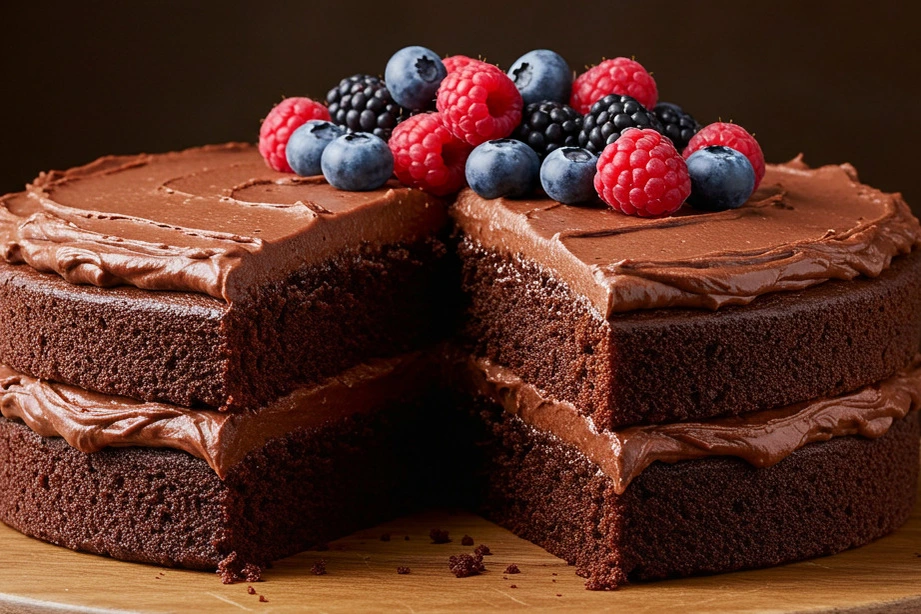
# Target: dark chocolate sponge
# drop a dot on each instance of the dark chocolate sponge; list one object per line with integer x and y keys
{"x": 194, "y": 350}
{"x": 695, "y": 517}
{"x": 664, "y": 365}
{"x": 162, "y": 506}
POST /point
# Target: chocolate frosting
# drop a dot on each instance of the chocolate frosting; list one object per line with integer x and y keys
{"x": 214, "y": 220}
{"x": 762, "y": 438}
{"x": 801, "y": 227}
{"x": 90, "y": 421}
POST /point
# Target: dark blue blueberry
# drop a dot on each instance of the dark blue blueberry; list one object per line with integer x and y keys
{"x": 413, "y": 75}
{"x": 306, "y": 145}
{"x": 721, "y": 178}
{"x": 568, "y": 174}
{"x": 542, "y": 75}
{"x": 357, "y": 162}
{"x": 504, "y": 167}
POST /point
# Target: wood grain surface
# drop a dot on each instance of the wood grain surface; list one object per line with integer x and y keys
{"x": 884, "y": 576}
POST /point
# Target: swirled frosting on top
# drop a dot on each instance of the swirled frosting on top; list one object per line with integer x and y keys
{"x": 213, "y": 220}
{"x": 762, "y": 438}
{"x": 801, "y": 227}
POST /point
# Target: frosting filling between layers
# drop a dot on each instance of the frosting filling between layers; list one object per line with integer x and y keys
{"x": 761, "y": 438}
{"x": 213, "y": 220}
{"x": 801, "y": 227}
{"x": 90, "y": 421}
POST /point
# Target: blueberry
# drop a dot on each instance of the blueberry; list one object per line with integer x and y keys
{"x": 568, "y": 174}
{"x": 357, "y": 161}
{"x": 306, "y": 145}
{"x": 721, "y": 178}
{"x": 413, "y": 75}
{"x": 504, "y": 167}
{"x": 542, "y": 75}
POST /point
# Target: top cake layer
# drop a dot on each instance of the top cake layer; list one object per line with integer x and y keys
{"x": 213, "y": 220}
{"x": 802, "y": 227}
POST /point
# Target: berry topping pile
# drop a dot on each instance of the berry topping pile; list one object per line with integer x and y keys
{"x": 441, "y": 124}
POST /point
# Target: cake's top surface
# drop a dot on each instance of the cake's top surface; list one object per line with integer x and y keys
{"x": 214, "y": 220}
{"x": 801, "y": 227}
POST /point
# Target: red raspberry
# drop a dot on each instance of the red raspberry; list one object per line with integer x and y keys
{"x": 733, "y": 136}
{"x": 642, "y": 173}
{"x": 479, "y": 104}
{"x": 618, "y": 76}
{"x": 455, "y": 62}
{"x": 426, "y": 155}
{"x": 287, "y": 116}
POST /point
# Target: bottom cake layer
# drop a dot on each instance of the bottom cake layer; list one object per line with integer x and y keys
{"x": 703, "y": 516}
{"x": 163, "y": 506}
{"x": 380, "y": 440}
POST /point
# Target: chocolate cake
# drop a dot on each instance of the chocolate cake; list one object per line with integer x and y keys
{"x": 210, "y": 364}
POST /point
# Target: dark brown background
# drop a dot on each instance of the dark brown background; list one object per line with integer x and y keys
{"x": 837, "y": 81}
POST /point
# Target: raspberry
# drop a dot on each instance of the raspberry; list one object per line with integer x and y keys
{"x": 733, "y": 136}
{"x": 427, "y": 156}
{"x": 479, "y": 104}
{"x": 455, "y": 62}
{"x": 287, "y": 116}
{"x": 618, "y": 76}
{"x": 642, "y": 173}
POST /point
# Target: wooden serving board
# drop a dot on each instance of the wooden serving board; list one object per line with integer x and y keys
{"x": 884, "y": 576}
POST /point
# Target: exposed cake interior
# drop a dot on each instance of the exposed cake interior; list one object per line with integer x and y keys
{"x": 638, "y": 320}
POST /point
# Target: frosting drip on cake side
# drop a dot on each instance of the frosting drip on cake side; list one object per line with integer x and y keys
{"x": 801, "y": 227}
{"x": 91, "y": 421}
{"x": 213, "y": 220}
{"x": 762, "y": 438}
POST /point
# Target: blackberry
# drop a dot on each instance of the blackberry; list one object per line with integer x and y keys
{"x": 609, "y": 117}
{"x": 678, "y": 125}
{"x": 549, "y": 125}
{"x": 362, "y": 103}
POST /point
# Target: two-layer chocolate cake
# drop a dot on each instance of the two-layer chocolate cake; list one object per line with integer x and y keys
{"x": 211, "y": 364}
